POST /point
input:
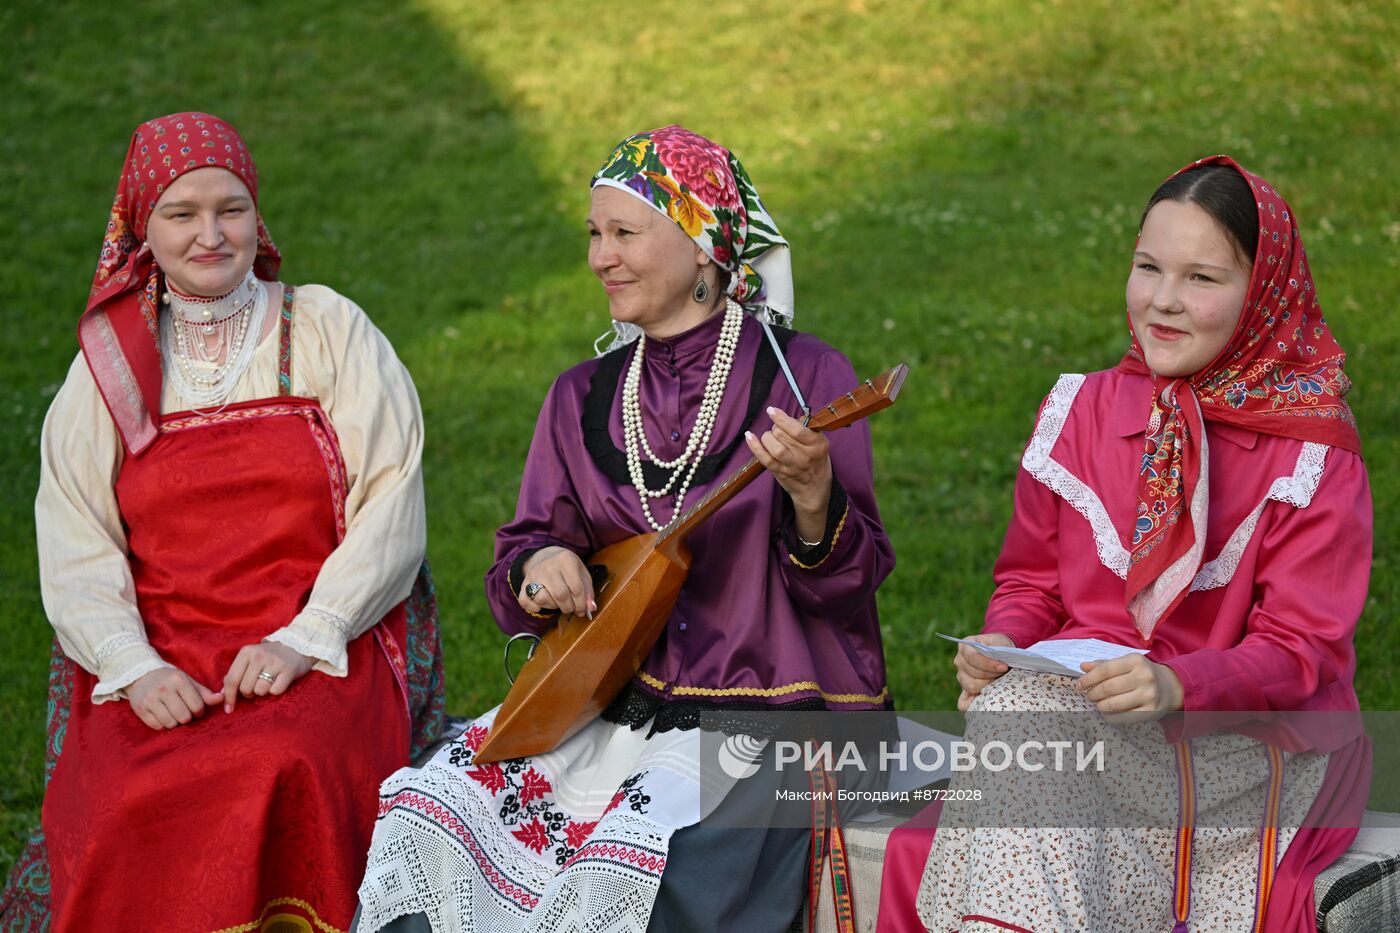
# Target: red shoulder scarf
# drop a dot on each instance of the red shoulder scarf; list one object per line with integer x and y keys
{"x": 118, "y": 332}
{"x": 1281, "y": 373}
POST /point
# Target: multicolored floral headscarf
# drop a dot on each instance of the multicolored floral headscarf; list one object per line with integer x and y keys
{"x": 703, "y": 188}
{"x": 1281, "y": 373}
{"x": 118, "y": 332}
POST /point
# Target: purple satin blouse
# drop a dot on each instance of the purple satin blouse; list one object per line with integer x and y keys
{"x": 762, "y": 621}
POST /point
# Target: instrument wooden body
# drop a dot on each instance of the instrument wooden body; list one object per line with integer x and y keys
{"x": 580, "y": 666}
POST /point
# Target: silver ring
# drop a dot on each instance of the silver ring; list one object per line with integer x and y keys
{"x": 532, "y": 588}
{"x": 264, "y": 675}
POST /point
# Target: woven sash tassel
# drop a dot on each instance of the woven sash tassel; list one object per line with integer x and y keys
{"x": 1185, "y": 836}
{"x": 828, "y": 841}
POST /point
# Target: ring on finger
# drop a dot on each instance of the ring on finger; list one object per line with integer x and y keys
{"x": 264, "y": 675}
{"x": 532, "y": 589}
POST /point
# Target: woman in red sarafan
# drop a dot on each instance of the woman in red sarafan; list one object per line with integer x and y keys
{"x": 1206, "y": 501}
{"x": 231, "y": 533}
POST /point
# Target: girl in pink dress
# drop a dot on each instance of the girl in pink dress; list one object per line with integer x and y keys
{"x": 1204, "y": 500}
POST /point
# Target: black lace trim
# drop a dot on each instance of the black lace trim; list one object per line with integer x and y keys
{"x": 635, "y": 707}
{"x": 602, "y": 390}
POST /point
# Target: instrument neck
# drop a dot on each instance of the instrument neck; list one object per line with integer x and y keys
{"x": 680, "y": 528}
{"x": 862, "y": 401}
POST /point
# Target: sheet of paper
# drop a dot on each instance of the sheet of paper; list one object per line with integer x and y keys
{"x": 1058, "y": 656}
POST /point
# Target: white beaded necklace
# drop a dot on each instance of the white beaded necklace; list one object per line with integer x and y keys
{"x": 635, "y": 434}
{"x": 196, "y": 332}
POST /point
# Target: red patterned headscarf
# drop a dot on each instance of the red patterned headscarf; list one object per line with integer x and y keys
{"x": 1281, "y": 373}
{"x": 118, "y": 332}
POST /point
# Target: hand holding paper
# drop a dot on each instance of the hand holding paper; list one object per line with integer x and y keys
{"x": 1056, "y": 656}
{"x": 976, "y": 670}
{"x": 1132, "y": 688}
{"x": 1120, "y": 681}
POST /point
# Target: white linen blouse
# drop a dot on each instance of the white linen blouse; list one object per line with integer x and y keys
{"x": 340, "y": 359}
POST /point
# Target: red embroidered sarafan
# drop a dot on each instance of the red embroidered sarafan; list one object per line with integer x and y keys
{"x": 212, "y": 825}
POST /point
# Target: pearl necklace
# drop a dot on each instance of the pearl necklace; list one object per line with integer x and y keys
{"x": 197, "y": 332}
{"x": 635, "y": 434}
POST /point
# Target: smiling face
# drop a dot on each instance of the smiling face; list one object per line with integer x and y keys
{"x": 1187, "y": 288}
{"x": 203, "y": 232}
{"x": 647, "y": 265}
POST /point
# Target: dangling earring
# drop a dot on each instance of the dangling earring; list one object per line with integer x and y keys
{"x": 701, "y": 294}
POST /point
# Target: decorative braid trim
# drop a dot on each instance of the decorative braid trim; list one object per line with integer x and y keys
{"x": 114, "y": 688}
{"x": 118, "y": 642}
{"x": 283, "y": 902}
{"x": 334, "y": 619}
{"x": 835, "y": 536}
{"x": 785, "y": 690}
{"x": 1296, "y": 489}
{"x": 1037, "y": 462}
{"x": 330, "y": 659}
{"x": 112, "y": 363}
{"x": 515, "y": 579}
{"x": 639, "y": 708}
{"x": 284, "y": 340}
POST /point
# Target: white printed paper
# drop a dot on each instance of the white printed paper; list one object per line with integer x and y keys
{"x": 1057, "y": 656}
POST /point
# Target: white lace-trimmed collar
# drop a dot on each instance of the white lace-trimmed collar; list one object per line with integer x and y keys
{"x": 1296, "y": 489}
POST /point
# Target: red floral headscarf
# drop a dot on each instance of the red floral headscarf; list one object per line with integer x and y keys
{"x": 118, "y": 332}
{"x": 1281, "y": 373}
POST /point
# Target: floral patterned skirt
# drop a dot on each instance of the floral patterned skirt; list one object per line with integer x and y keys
{"x": 575, "y": 839}
{"x": 1120, "y": 860}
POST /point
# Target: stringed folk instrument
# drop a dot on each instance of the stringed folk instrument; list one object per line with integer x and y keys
{"x": 580, "y": 666}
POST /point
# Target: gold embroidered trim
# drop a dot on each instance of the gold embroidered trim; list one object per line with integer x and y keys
{"x": 835, "y": 536}
{"x": 801, "y": 685}
{"x": 282, "y": 902}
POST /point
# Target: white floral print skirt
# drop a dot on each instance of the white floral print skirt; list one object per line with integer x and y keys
{"x": 1118, "y": 859}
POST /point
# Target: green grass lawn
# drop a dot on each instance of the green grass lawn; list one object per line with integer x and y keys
{"x": 960, "y": 182}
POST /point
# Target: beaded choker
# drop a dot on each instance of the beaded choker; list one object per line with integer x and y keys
{"x": 195, "y": 309}
{"x": 205, "y": 343}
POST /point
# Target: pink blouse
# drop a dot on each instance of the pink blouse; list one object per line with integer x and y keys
{"x": 1269, "y": 621}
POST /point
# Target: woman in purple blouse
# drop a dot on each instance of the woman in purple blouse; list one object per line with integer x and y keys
{"x": 778, "y": 611}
